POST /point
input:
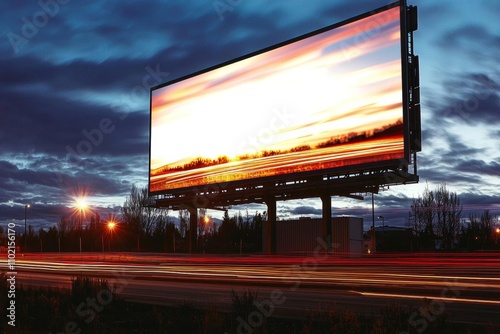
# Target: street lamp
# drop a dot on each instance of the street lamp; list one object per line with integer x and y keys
{"x": 373, "y": 238}
{"x": 206, "y": 222}
{"x": 383, "y": 229}
{"x": 383, "y": 221}
{"x": 81, "y": 206}
{"x": 25, "y": 209}
{"x": 111, "y": 227}
{"x": 497, "y": 232}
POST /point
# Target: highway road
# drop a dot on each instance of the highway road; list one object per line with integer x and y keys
{"x": 465, "y": 287}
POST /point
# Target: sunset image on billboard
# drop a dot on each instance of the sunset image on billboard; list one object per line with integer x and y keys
{"x": 332, "y": 99}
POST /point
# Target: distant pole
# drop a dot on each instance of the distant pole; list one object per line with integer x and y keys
{"x": 25, "y": 236}
{"x": 80, "y": 228}
{"x": 383, "y": 222}
{"x": 373, "y": 225}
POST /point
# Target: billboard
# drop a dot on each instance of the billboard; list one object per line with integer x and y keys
{"x": 333, "y": 98}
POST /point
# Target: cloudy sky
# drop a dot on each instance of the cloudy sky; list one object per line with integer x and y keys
{"x": 75, "y": 79}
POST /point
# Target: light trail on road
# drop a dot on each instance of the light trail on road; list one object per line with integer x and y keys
{"x": 447, "y": 299}
{"x": 468, "y": 285}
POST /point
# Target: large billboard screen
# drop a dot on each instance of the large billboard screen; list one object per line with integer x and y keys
{"x": 331, "y": 98}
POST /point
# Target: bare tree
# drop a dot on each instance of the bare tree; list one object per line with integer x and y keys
{"x": 64, "y": 226}
{"x": 436, "y": 214}
{"x": 427, "y": 212}
{"x": 448, "y": 214}
{"x": 479, "y": 232}
{"x": 132, "y": 209}
{"x": 202, "y": 215}
{"x": 183, "y": 221}
{"x": 422, "y": 214}
{"x": 137, "y": 213}
{"x": 487, "y": 222}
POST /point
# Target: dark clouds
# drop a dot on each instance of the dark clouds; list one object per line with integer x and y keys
{"x": 460, "y": 145}
{"x": 89, "y": 67}
{"x": 472, "y": 98}
{"x": 306, "y": 210}
{"x": 476, "y": 201}
{"x": 479, "y": 167}
{"x": 471, "y": 39}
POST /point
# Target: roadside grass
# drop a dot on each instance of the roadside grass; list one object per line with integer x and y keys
{"x": 88, "y": 308}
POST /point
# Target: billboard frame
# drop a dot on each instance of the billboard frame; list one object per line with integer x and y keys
{"x": 363, "y": 178}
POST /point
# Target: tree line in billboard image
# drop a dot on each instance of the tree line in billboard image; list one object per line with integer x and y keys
{"x": 343, "y": 87}
{"x": 393, "y": 131}
{"x": 385, "y": 143}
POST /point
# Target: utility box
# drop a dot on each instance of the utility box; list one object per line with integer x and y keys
{"x": 304, "y": 235}
{"x": 347, "y": 236}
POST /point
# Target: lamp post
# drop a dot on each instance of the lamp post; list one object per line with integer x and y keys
{"x": 383, "y": 229}
{"x": 25, "y": 215}
{"x": 383, "y": 221}
{"x": 374, "y": 241}
{"x": 81, "y": 206}
{"x": 206, "y": 221}
{"x": 111, "y": 227}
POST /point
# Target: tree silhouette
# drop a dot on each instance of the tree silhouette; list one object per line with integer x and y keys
{"x": 436, "y": 215}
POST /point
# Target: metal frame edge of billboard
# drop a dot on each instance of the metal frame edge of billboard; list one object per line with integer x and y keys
{"x": 338, "y": 181}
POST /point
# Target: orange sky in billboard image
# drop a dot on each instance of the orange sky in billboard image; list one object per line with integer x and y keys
{"x": 330, "y": 100}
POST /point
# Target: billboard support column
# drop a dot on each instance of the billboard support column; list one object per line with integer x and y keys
{"x": 327, "y": 221}
{"x": 193, "y": 229}
{"x": 271, "y": 225}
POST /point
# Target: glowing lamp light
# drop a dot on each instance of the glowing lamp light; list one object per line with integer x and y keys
{"x": 81, "y": 203}
{"x": 111, "y": 225}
